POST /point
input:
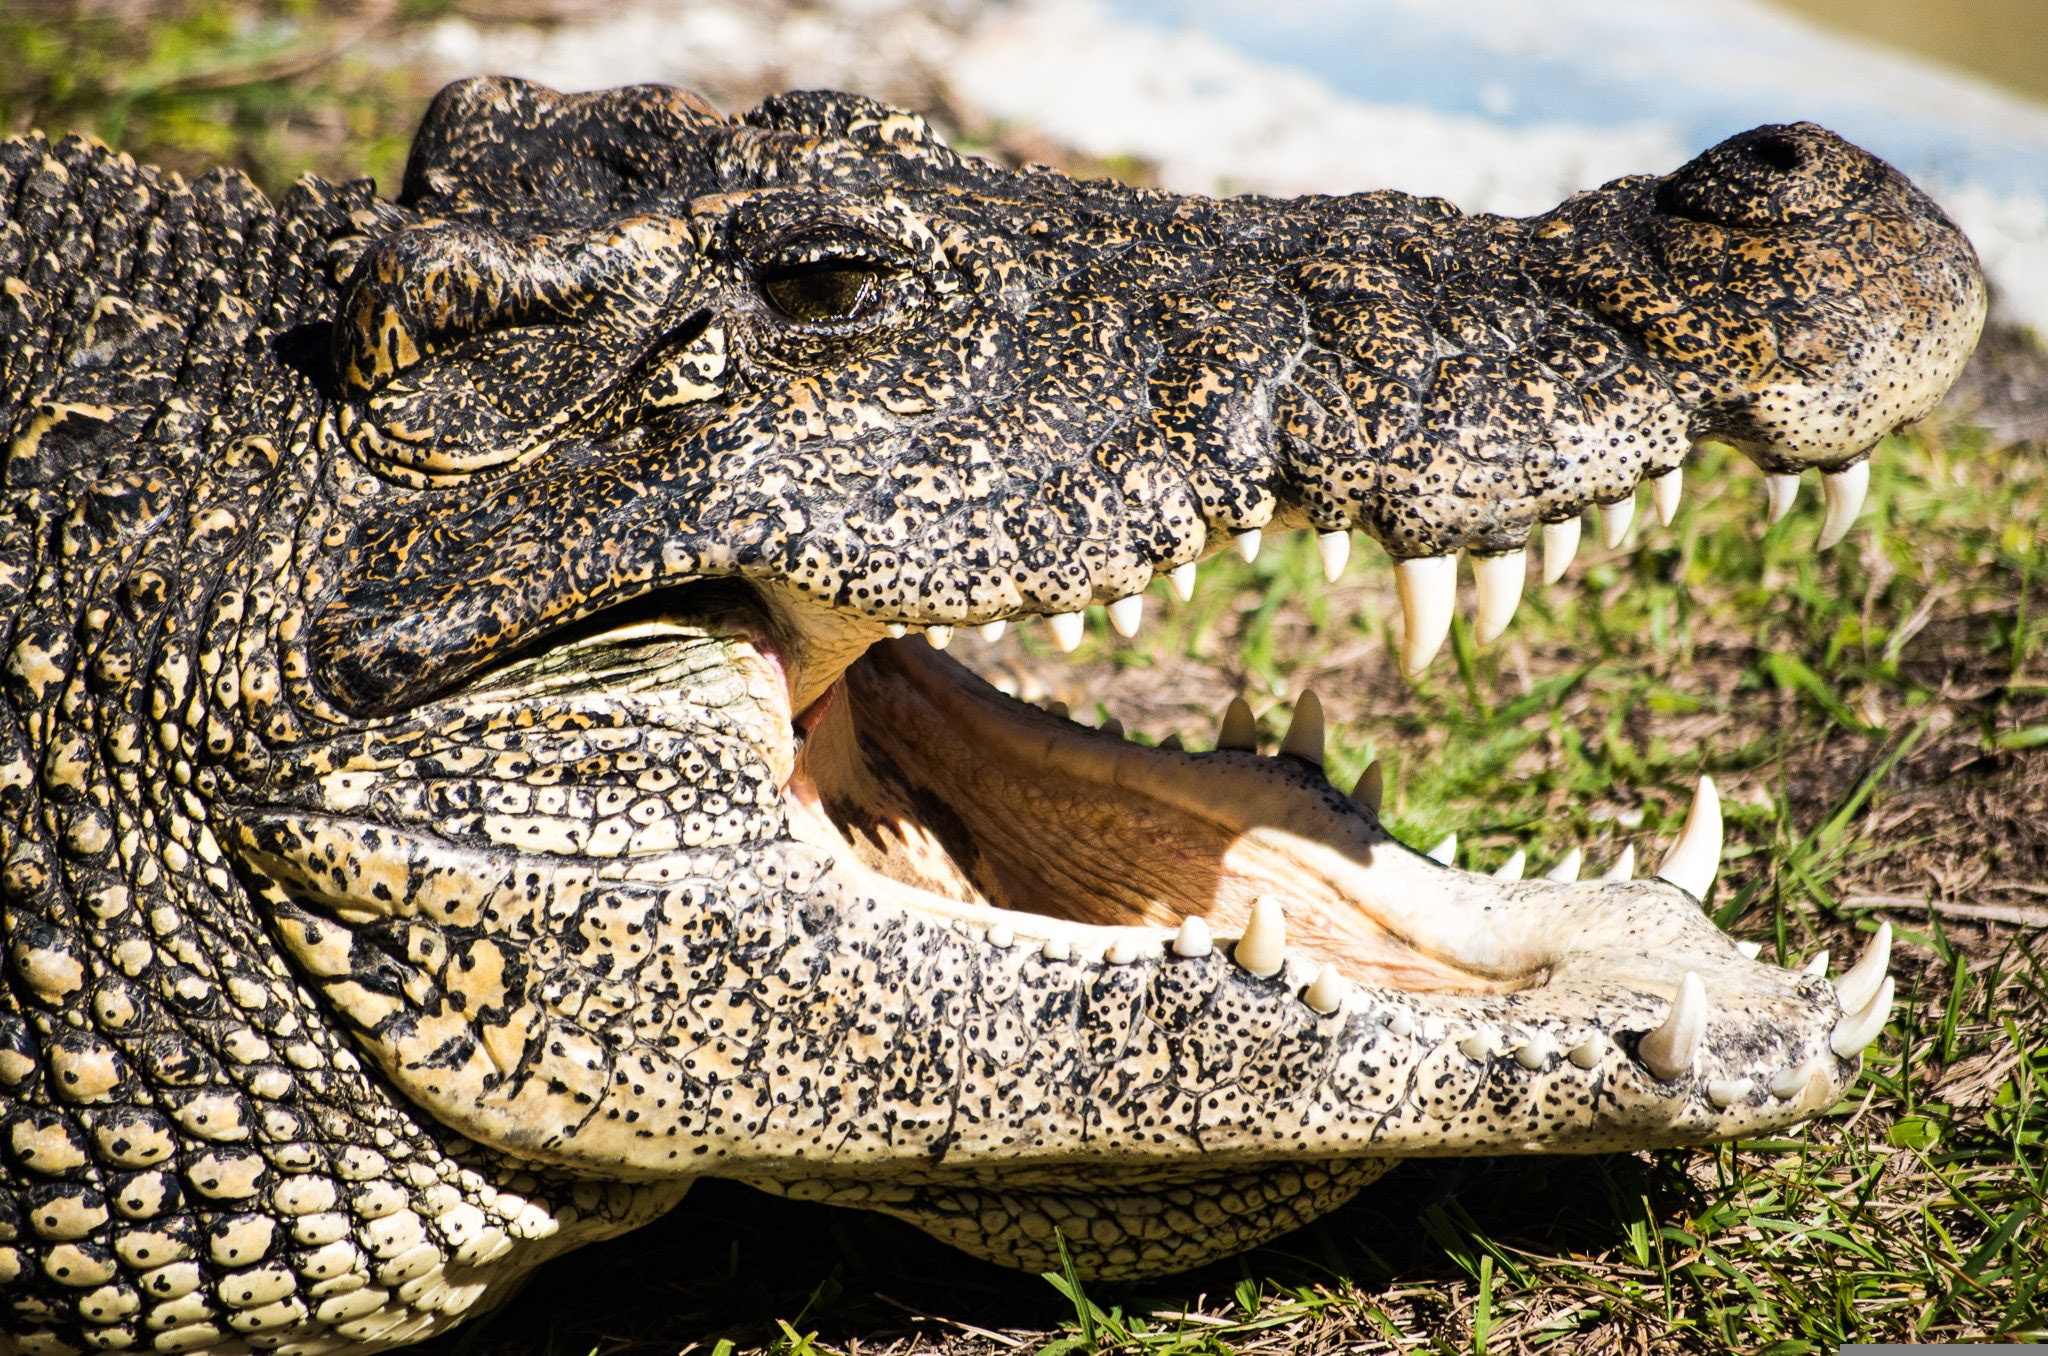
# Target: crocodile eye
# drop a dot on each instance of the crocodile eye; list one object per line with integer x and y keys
{"x": 830, "y": 291}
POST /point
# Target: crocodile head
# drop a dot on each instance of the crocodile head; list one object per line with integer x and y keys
{"x": 538, "y": 709}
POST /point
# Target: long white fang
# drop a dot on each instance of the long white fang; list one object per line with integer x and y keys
{"x": 1843, "y": 492}
{"x": 1400, "y": 1023}
{"x": 1695, "y": 859}
{"x": 1181, "y": 579}
{"x": 1512, "y": 868}
{"x": 1263, "y": 948}
{"x": 1428, "y": 586}
{"x": 897, "y": 630}
{"x": 1445, "y": 851}
{"x": 1670, "y": 1050}
{"x": 1781, "y": 492}
{"x": 1127, "y": 615}
{"x": 1123, "y": 951}
{"x": 1615, "y": 521}
{"x": 1536, "y": 1052}
{"x": 1304, "y": 738}
{"x": 1066, "y": 630}
{"x": 1247, "y": 544}
{"x": 1325, "y": 993}
{"x": 1789, "y": 1083}
{"x": 1335, "y": 549}
{"x": 993, "y": 631}
{"x": 1560, "y": 544}
{"x": 1817, "y": 968}
{"x": 1478, "y": 1046}
{"x": 1665, "y": 492}
{"x": 1193, "y": 940}
{"x": 1372, "y": 787}
{"x": 1238, "y": 730}
{"x": 1853, "y": 1033}
{"x": 1567, "y": 869}
{"x": 1498, "y": 582}
{"x": 1860, "y": 980}
{"x": 939, "y": 637}
{"x": 1587, "y": 1053}
{"x": 1750, "y": 950}
{"x": 1672, "y": 1047}
{"x": 1726, "y": 1092}
{"x": 1624, "y": 867}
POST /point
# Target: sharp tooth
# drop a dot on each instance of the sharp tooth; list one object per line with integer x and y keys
{"x": 1326, "y": 991}
{"x": 1624, "y": 867}
{"x": 1567, "y": 868}
{"x": 1172, "y": 742}
{"x": 1853, "y": 1033}
{"x": 1817, "y": 968}
{"x": 1263, "y": 948}
{"x": 1181, "y": 579}
{"x": 1536, "y": 1052}
{"x": 1335, "y": 549}
{"x": 897, "y": 630}
{"x": 1789, "y": 1083}
{"x": 1247, "y": 544}
{"x": 1058, "y": 709}
{"x": 1304, "y": 737}
{"x": 1498, "y": 580}
{"x": 1123, "y": 950}
{"x": 1860, "y": 980}
{"x": 993, "y": 631}
{"x": 1843, "y": 492}
{"x": 1238, "y": 730}
{"x": 1113, "y": 727}
{"x": 1726, "y": 1092}
{"x": 1445, "y": 851}
{"x": 1511, "y": 869}
{"x": 1371, "y": 788}
{"x": 1127, "y": 615}
{"x": 938, "y": 637}
{"x": 1400, "y": 1024}
{"x": 1057, "y": 949}
{"x": 1695, "y": 859}
{"x": 1428, "y": 586}
{"x": 1780, "y": 493}
{"x": 1665, "y": 492}
{"x": 1001, "y": 938}
{"x": 1750, "y": 950}
{"x": 1478, "y": 1046}
{"x": 1589, "y": 1051}
{"x": 1615, "y": 521}
{"x": 1560, "y": 544}
{"x": 1066, "y": 630}
{"x": 1193, "y": 939}
{"x": 1669, "y": 1050}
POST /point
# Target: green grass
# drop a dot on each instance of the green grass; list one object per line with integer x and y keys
{"x": 1877, "y": 718}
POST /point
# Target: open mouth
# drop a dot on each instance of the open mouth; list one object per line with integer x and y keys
{"x": 939, "y": 798}
{"x": 719, "y": 881}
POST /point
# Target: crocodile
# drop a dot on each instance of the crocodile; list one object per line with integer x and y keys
{"x": 479, "y": 749}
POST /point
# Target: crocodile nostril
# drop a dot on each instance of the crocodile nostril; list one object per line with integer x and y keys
{"x": 1776, "y": 153}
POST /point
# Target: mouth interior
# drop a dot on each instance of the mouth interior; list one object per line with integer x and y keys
{"x": 937, "y": 793}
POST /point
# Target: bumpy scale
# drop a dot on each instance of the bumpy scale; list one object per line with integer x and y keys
{"x": 456, "y": 785}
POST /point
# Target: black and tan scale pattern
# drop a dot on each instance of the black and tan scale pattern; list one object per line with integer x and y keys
{"x": 279, "y": 479}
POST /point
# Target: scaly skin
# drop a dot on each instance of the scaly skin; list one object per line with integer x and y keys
{"x": 454, "y": 789}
